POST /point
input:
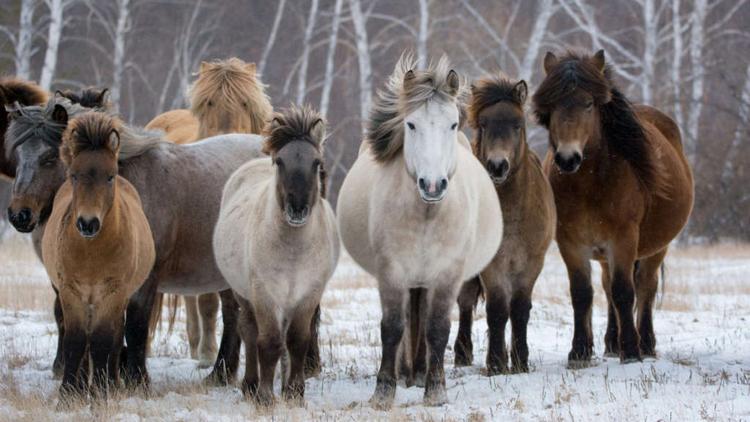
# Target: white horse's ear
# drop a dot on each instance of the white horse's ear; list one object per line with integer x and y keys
{"x": 453, "y": 81}
{"x": 318, "y": 131}
{"x": 114, "y": 141}
{"x": 598, "y": 60}
{"x": 550, "y": 61}
{"x": 520, "y": 91}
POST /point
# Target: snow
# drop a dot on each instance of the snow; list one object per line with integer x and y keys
{"x": 702, "y": 371}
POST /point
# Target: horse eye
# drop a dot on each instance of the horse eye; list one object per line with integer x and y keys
{"x": 74, "y": 177}
{"x": 411, "y": 125}
{"x": 210, "y": 103}
{"x": 589, "y": 105}
{"x": 48, "y": 162}
{"x": 110, "y": 179}
{"x": 516, "y": 127}
{"x": 454, "y": 126}
{"x": 278, "y": 162}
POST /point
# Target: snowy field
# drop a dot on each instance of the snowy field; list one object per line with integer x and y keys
{"x": 702, "y": 372}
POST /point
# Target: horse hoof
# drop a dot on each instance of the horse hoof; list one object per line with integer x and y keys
{"x": 519, "y": 369}
{"x": 463, "y": 360}
{"x": 378, "y": 402}
{"x": 493, "y": 370}
{"x": 435, "y": 397}
{"x": 418, "y": 380}
{"x": 630, "y": 359}
{"x": 611, "y": 354}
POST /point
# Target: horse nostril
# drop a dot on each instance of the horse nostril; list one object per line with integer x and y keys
{"x": 577, "y": 159}
{"x": 422, "y": 184}
{"x": 443, "y": 184}
{"x": 504, "y": 165}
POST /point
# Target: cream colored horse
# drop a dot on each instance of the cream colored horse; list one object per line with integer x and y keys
{"x": 418, "y": 211}
{"x": 277, "y": 245}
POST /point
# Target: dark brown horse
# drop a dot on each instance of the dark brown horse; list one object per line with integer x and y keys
{"x": 497, "y": 116}
{"x": 623, "y": 191}
{"x": 25, "y": 94}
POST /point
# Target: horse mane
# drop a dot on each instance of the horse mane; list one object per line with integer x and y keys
{"x": 620, "y": 127}
{"x": 89, "y": 131}
{"x": 235, "y": 81}
{"x": 135, "y": 141}
{"x": 297, "y": 124}
{"x": 90, "y": 97}
{"x": 14, "y": 90}
{"x": 489, "y": 91}
{"x": 385, "y": 131}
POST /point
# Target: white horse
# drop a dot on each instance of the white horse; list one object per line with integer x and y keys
{"x": 277, "y": 245}
{"x": 418, "y": 211}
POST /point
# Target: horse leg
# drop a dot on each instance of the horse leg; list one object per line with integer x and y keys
{"x": 646, "y": 284}
{"x": 438, "y": 327}
{"x": 106, "y": 326}
{"x": 192, "y": 324}
{"x": 228, "y": 358}
{"x": 611, "y": 337}
{"x": 298, "y": 341}
{"x": 312, "y": 359}
{"x": 248, "y": 330}
{"x": 417, "y": 337}
{"x": 74, "y": 346}
{"x": 621, "y": 265}
{"x": 270, "y": 348}
{"x": 392, "y": 302}
{"x": 468, "y": 297}
{"x": 520, "y": 310}
{"x": 208, "y": 308}
{"x": 59, "y": 363}
{"x": 136, "y": 332}
{"x": 582, "y": 297}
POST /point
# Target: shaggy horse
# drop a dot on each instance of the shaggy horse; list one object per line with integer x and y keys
{"x": 623, "y": 190}
{"x": 277, "y": 245}
{"x": 227, "y": 97}
{"x": 418, "y": 211}
{"x": 497, "y": 116}
{"x": 181, "y": 209}
{"x": 90, "y": 97}
{"x": 97, "y": 250}
{"x": 24, "y": 93}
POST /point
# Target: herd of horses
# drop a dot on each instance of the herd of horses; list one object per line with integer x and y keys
{"x": 226, "y": 202}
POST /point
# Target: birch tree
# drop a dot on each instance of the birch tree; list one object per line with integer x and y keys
{"x": 307, "y": 39}
{"x": 24, "y": 40}
{"x": 271, "y": 37}
{"x": 54, "y": 35}
{"x": 740, "y": 133}
{"x": 325, "y": 95}
{"x": 697, "y": 25}
{"x": 424, "y": 32}
{"x": 676, "y": 67}
{"x": 363, "y": 59}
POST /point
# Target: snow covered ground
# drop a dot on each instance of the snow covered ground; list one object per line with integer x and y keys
{"x": 702, "y": 372}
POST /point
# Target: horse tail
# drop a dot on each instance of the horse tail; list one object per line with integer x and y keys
{"x": 154, "y": 319}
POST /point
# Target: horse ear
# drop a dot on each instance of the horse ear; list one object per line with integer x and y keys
{"x": 598, "y": 60}
{"x": 453, "y": 81}
{"x": 204, "y": 66}
{"x": 250, "y": 67}
{"x": 409, "y": 78}
{"x": 60, "y": 115}
{"x": 550, "y": 60}
{"x": 114, "y": 140}
{"x": 13, "y": 111}
{"x": 102, "y": 97}
{"x": 520, "y": 91}
{"x": 318, "y": 131}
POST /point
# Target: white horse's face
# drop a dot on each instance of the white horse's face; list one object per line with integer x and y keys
{"x": 430, "y": 142}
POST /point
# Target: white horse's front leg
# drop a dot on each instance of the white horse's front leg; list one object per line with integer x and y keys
{"x": 393, "y": 301}
{"x": 441, "y": 299}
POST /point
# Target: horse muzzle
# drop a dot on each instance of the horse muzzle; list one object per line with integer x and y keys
{"x": 23, "y": 220}
{"x": 568, "y": 163}
{"x": 296, "y": 217}
{"x": 498, "y": 170}
{"x": 432, "y": 191}
{"x": 88, "y": 228}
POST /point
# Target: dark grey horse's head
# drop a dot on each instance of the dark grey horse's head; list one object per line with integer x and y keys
{"x": 33, "y": 141}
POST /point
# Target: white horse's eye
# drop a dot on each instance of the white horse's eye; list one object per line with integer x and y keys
{"x": 454, "y": 126}
{"x": 411, "y": 125}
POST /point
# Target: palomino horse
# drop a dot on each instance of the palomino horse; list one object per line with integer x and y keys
{"x": 277, "y": 245}
{"x": 227, "y": 97}
{"x": 181, "y": 208}
{"x": 497, "y": 116}
{"x": 623, "y": 191}
{"x": 98, "y": 250}
{"x": 418, "y": 211}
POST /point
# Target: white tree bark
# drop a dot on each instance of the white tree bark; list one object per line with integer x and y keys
{"x": 325, "y": 95}
{"x": 363, "y": 59}
{"x": 740, "y": 133}
{"x": 424, "y": 33}
{"x": 118, "y": 57}
{"x": 302, "y": 74}
{"x": 650, "y": 41}
{"x": 546, "y": 9}
{"x": 54, "y": 34}
{"x": 698, "y": 22}
{"x": 271, "y": 37}
{"x": 677, "y": 62}
{"x": 25, "y": 36}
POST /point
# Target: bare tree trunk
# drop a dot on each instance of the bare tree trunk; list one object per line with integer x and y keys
{"x": 363, "y": 59}
{"x": 739, "y": 134}
{"x": 271, "y": 37}
{"x": 649, "y": 50}
{"x": 325, "y": 95}
{"x": 25, "y": 35}
{"x": 677, "y": 62}
{"x": 118, "y": 59}
{"x": 546, "y": 10}
{"x": 424, "y": 33}
{"x": 53, "y": 42}
{"x": 696, "y": 61}
{"x": 302, "y": 74}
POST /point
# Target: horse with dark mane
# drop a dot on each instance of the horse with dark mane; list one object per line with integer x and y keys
{"x": 181, "y": 208}
{"x": 623, "y": 190}
{"x": 90, "y": 97}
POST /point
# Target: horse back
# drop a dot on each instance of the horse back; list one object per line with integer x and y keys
{"x": 179, "y": 126}
{"x": 665, "y": 124}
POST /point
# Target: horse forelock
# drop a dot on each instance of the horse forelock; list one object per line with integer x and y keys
{"x": 489, "y": 91}
{"x": 385, "y": 131}
{"x": 91, "y": 131}
{"x": 294, "y": 124}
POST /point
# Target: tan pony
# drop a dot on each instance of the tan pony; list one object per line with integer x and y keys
{"x": 227, "y": 97}
{"x": 623, "y": 190}
{"x": 277, "y": 245}
{"x": 97, "y": 249}
{"x": 418, "y": 211}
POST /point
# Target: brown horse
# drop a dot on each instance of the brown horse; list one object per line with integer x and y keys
{"x": 496, "y": 113}
{"x": 623, "y": 190}
{"x": 97, "y": 249}
{"x": 24, "y": 93}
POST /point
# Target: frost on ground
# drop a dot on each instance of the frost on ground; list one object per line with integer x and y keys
{"x": 702, "y": 372}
